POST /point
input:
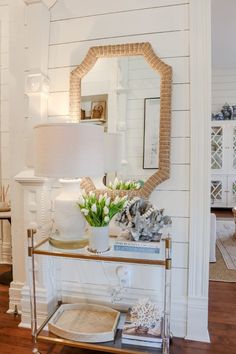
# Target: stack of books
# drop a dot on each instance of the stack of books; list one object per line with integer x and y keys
{"x": 137, "y": 246}
{"x": 133, "y": 336}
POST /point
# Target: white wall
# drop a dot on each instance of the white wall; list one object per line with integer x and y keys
{"x": 223, "y": 88}
{"x": 74, "y": 27}
{"x": 5, "y": 244}
{"x": 170, "y": 40}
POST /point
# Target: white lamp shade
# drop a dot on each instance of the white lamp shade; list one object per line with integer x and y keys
{"x": 68, "y": 150}
{"x": 112, "y": 153}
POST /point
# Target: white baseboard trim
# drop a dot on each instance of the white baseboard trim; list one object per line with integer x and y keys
{"x": 15, "y": 297}
{"x": 198, "y": 319}
{"x": 43, "y": 303}
{"x": 6, "y": 256}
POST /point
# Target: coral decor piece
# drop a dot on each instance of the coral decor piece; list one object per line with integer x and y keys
{"x": 142, "y": 220}
{"x": 145, "y": 315}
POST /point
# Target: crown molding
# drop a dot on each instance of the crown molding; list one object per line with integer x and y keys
{"x": 47, "y": 3}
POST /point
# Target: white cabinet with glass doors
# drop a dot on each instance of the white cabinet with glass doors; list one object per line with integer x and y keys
{"x": 223, "y": 163}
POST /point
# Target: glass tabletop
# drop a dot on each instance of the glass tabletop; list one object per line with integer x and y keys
{"x": 47, "y": 248}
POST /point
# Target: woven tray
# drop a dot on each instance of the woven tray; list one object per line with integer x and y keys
{"x": 84, "y": 322}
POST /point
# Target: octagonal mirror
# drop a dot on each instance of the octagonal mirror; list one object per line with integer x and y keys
{"x": 127, "y": 89}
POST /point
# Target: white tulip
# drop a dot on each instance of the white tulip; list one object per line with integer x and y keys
{"x": 106, "y": 219}
{"x": 105, "y": 210}
{"x": 81, "y": 200}
{"x": 94, "y": 208}
{"x": 116, "y": 200}
{"x": 85, "y": 211}
{"x": 116, "y": 181}
{"x": 108, "y": 200}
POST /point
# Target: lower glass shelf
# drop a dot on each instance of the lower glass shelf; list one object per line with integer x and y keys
{"x": 114, "y": 346}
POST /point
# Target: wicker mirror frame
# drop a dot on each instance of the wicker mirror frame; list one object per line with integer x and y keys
{"x": 165, "y": 72}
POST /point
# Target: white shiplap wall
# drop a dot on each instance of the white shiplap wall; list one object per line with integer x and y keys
{"x": 75, "y": 27}
{"x": 5, "y": 244}
{"x": 223, "y": 88}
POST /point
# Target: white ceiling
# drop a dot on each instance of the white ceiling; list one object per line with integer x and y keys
{"x": 224, "y": 33}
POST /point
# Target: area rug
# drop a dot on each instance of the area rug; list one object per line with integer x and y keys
{"x": 226, "y": 242}
{"x": 219, "y": 271}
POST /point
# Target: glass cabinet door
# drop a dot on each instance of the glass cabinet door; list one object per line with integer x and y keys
{"x": 219, "y": 191}
{"x": 231, "y": 192}
{"x": 232, "y": 150}
{"x": 216, "y": 148}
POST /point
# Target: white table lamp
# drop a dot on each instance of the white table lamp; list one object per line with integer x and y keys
{"x": 112, "y": 158}
{"x": 68, "y": 151}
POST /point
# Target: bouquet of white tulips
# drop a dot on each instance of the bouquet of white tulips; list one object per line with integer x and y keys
{"x": 124, "y": 185}
{"x": 98, "y": 211}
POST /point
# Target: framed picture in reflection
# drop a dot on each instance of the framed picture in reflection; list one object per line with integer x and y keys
{"x": 98, "y": 110}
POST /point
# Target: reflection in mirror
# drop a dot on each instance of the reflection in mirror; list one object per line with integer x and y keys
{"x": 127, "y": 89}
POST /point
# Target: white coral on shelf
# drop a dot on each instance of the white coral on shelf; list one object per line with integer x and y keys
{"x": 143, "y": 221}
{"x": 145, "y": 314}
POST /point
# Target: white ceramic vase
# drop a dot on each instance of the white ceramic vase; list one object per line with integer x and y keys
{"x": 99, "y": 239}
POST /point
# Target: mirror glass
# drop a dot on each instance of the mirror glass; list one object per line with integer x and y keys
{"x": 127, "y": 89}
{"x": 123, "y": 94}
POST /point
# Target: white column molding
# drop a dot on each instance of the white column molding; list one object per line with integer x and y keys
{"x": 47, "y": 3}
{"x": 200, "y": 100}
{"x": 36, "y": 82}
{"x": 37, "y": 211}
{"x": 16, "y": 144}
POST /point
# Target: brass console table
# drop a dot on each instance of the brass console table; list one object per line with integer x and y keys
{"x": 40, "y": 333}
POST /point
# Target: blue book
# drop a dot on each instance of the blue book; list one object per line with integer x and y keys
{"x": 140, "y": 249}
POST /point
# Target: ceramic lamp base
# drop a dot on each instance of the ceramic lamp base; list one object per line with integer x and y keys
{"x": 68, "y": 244}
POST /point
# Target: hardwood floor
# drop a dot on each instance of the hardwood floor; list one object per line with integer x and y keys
{"x": 222, "y": 212}
{"x": 222, "y": 328}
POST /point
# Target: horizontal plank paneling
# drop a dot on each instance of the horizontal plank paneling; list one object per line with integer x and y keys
{"x": 74, "y": 8}
{"x": 180, "y": 121}
{"x": 96, "y": 28}
{"x": 180, "y": 255}
{"x": 180, "y": 67}
{"x": 59, "y": 77}
{"x": 175, "y": 203}
{"x": 58, "y": 104}
{"x": 179, "y": 179}
{"x": 180, "y": 150}
{"x": 179, "y": 174}
{"x": 180, "y": 229}
{"x": 223, "y": 88}
{"x": 180, "y": 97}
{"x": 171, "y": 44}
{"x": 94, "y": 273}
{"x": 59, "y": 101}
